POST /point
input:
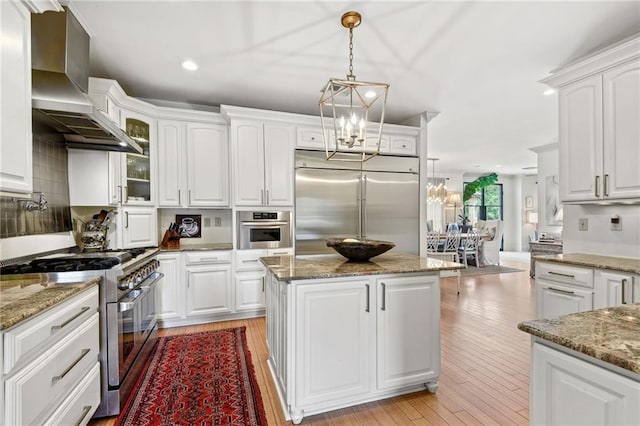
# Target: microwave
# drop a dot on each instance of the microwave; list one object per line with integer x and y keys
{"x": 264, "y": 230}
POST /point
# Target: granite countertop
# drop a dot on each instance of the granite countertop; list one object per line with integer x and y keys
{"x": 196, "y": 247}
{"x": 31, "y": 294}
{"x": 624, "y": 264}
{"x": 288, "y": 268}
{"x": 611, "y": 335}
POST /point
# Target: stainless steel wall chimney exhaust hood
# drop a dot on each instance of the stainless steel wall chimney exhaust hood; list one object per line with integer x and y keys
{"x": 60, "y": 80}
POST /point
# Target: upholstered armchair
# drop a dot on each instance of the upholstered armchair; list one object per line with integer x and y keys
{"x": 491, "y": 234}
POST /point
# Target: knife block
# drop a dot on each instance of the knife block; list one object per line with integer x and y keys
{"x": 171, "y": 239}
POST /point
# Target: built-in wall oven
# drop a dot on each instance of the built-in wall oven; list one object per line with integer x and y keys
{"x": 263, "y": 230}
{"x": 128, "y": 317}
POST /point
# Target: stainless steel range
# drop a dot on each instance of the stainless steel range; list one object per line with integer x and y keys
{"x": 128, "y": 316}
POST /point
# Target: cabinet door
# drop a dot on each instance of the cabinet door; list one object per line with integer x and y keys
{"x": 171, "y": 161}
{"x": 405, "y": 145}
{"x": 407, "y": 357}
{"x": 16, "y": 166}
{"x": 612, "y": 289}
{"x": 207, "y": 165}
{"x": 248, "y": 163}
{"x": 279, "y": 145}
{"x": 170, "y": 288}
{"x": 138, "y": 170}
{"x": 250, "y": 290}
{"x": 208, "y": 290}
{"x": 335, "y": 344}
{"x": 139, "y": 227}
{"x": 581, "y": 140}
{"x": 554, "y": 300}
{"x": 569, "y": 391}
{"x": 88, "y": 177}
{"x": 621, "y": 96}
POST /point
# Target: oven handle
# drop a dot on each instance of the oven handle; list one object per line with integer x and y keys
{"x": 264, "y": 224}
{"x": 145, "y": 288}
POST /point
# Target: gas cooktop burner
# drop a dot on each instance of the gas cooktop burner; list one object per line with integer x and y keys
{"x": 61, "y": 265}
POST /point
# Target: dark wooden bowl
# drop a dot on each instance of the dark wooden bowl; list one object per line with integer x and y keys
{"x": 359, "y": 250}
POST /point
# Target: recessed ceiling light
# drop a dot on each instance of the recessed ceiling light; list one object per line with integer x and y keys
{"x": 189, "y": 65}
{"x": 498, "y": 166}
{"x": 549, "y": 92}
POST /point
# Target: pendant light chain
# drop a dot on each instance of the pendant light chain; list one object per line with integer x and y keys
{"x": 351, "y": 76}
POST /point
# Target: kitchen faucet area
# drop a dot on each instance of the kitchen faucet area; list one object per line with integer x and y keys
{"x": 217, "y": 225}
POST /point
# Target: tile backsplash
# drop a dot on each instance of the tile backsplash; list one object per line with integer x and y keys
{"x": 50, "y": 177}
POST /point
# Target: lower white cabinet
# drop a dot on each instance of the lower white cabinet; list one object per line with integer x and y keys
{"x": 208, "y": 289}
{"x": 171, "y": 294}
{"x": 566, "y": 390}
{"x": 344, "y": 341}
{"x": 564, "y": 289}
{"x": 51, "y": 373}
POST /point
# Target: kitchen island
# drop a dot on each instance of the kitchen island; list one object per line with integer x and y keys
{"x": 585, "y": 368}
{"x": 344, "y": 333}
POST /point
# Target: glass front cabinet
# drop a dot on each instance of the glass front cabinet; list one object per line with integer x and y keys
{"x": 138, "y": 170}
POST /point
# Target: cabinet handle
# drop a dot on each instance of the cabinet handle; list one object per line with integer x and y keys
{"x": 189, "y": 197}
{"x": 69, "y": 368}
{"x": 179, "y": 197}
{"x": 560, "y": 291}
{"x": 562, "y": 275}
{"x": 208, "y": 259}
{"x": 606, "y": 185}
{"x": 125, "y": 197}
{"x": 250, "y": 261}
{"x": 126, "y": 217}
{"x": 267, "y": 196}
{"x": 624, "y": 297}
{"x": 384, "y": 297}
{"x": 119, "y": 193}
{"x": 85, "y": 411}
{"x": 82, "y": 311}
{"x": 597, "y": 186}
{"x": 367, "y": 308}
{"x": 277, "y": 253}
{"x": 263, "y": 284}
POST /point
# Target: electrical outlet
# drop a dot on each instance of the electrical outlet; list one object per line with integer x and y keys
{"x": 207, "y": 222}
{"x": 218, "y": 221}
{"x": 583, "y": 224}
{"x": 616, "y": 224}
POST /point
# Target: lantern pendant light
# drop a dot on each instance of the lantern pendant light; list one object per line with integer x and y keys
{"x": 351, "y": 111}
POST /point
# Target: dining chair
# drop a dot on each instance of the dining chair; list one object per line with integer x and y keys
{"x": 433, "y": 243}
{"x": 433, "y": 239}
{"x": 452, "y": 244}
{"x": 469, "y": 247}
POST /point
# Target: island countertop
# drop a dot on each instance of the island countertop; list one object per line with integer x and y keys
{"x": 611, "y": 335}
{"x": 25, "y": 296}
{"x": 288, "y": 268}
{"x": 624, "y": 264}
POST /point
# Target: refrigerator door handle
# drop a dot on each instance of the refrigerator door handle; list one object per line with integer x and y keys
{"x": 360, "y": 206}
{"x": 363, "y": 216}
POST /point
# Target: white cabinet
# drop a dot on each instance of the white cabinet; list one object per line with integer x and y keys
{"x": 193, "y": 164}
{"x": 262, "y": 163}
{"x": 171, "y": 294}
{"x": 16, "y": 166}
{"x": 404, "y": 306}
{"x": 51, "y": 368}
{"x": 615, "y": 288}
{"x": 562, "y": 289}
{"x": 348, "y": 340}
{"x": 599, "y": 105}
{"x": 197, "y": 287}
{"x": 138, "y": 227}
{"x": 569, "y": 390}
{"x": 399, "y": 140}
{"x": 94, "y": 178}
{"x": 138, "y": 171}
{"x": 250, "y": 277}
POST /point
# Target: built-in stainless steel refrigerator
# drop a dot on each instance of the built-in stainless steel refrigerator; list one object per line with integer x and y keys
{"x": 377, "y": 199}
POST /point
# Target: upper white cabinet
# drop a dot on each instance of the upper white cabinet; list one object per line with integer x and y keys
{"x": 193, "y": 164}
{"x": 138, "y": 170}
{"x": 599, "y": 106}
{"x": 262, "y": 163}
{"x": 15, "y": 98}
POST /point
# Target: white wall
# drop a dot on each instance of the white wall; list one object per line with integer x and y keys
{"x": 548, "y": 165}
{"x": 529, "y": 189}
{"x": 599, "y": 239}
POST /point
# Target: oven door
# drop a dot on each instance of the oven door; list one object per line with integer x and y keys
{"x": 264, "y": 235}
{"x": 129, "y": 323}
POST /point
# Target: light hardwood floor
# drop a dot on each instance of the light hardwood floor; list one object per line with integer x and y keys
{"x": 485, "y": 361}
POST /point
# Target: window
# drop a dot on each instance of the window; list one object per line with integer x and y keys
{"x": 485, "y": 205}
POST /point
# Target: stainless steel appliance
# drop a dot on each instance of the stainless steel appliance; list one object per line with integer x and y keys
{"x": 264, "y": 230}
{"x": 377, "y": 199}
{"x": 128, "y": 317}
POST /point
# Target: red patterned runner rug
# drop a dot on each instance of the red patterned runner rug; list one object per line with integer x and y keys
{"x": 197, "y": 379}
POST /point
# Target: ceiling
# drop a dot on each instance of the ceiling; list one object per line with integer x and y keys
{"x": 475, "y": 63}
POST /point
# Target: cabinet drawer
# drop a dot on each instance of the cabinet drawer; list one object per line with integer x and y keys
{"x": 403, "y": 146}
{"x": 249, "y": 260}
{"x": 310, "y": 138}
{"x": 571, "y": 275}
{"x": 23, "y": 341}
{"x": 80, "y": 405}
{"x": 46, "y": 381}
{"x": 199, "y": 258}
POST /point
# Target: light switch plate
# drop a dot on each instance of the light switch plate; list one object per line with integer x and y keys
{"x": 583, "y": 224}
{"x": 218, "y": 221}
